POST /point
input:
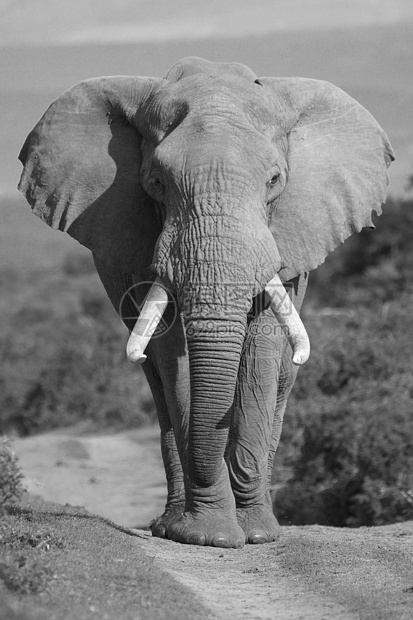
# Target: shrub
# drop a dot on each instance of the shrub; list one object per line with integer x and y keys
{"x": 348, "y": 431}
{"x": 78, "y": 264}
{"x": 24, "y": 575}
{"x": 374, "y": 265}
{"x": 10, "y": 475}
{"x": 25, "y": 567}
{"x": 354, "y": 465}
{"x": 64, "y": 362}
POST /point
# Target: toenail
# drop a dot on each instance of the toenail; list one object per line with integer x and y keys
{"x": 196, "y": 538}
{"x": 257, "y": 537}
{"x": 220, "y": 540}
{"x": 160, "y": 531}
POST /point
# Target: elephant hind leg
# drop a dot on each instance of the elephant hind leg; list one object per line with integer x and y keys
{"x": 166, "y": 379}
{"x": 288, "y": 374}
{"x": 175, "y": 502}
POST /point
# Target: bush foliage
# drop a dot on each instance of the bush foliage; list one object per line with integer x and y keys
{"x": 63, "y": 359}
{"x": 24, "y": 565}
{"x": 10, "y": 475}
{"x": 348, "y": 431}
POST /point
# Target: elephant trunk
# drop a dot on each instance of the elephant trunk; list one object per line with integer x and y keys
{"x": 214, "y": 349}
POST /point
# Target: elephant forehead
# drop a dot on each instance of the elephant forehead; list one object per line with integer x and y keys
{"x": 213, "y": 98}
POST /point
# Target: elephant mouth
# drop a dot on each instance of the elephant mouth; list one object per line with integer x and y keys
{"x": 156, "y": 301}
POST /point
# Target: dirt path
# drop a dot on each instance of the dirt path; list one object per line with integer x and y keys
{"x": 119, "y": 476}
{"x": 312, "y": 573}
{"x": 246, "y": 584}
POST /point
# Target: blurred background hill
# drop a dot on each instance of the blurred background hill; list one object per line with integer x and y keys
{"x": 363, "y": 46}
{"x": 134, "y": 21}
{"x": 346, "y": 456}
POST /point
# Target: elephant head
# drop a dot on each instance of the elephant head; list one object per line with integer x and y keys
{"x": 215, "y": 180}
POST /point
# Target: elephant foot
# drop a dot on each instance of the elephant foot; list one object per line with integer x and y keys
{"x": 258, "y": 523}
{"x": 209, "y": 517}
{"x": 159, "y": 525}
{"x": 213, "y": 528}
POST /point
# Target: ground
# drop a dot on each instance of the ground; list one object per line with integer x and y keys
{"x": 102, "y": 571}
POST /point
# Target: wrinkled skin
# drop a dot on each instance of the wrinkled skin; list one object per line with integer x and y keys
{"x": 214, "y": 181}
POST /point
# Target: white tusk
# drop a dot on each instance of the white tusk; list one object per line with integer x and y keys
{"x": 288, "y": 317}
{"x": 153, "y": 307}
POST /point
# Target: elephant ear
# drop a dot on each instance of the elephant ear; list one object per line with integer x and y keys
{"x": 338, "y": 157}
{"x": 81, "y": 170}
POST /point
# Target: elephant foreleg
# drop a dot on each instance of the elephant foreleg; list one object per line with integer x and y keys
{"x": 252, "y": 428}
{"x": 265, "y": 379}
{"x": 167, "y": 372}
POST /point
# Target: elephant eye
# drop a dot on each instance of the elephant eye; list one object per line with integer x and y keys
{"x": 274, "y": 179}
{"x": 156, "y": 185}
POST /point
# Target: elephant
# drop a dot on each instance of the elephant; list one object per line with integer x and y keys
{"x": 210, "y": 185}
